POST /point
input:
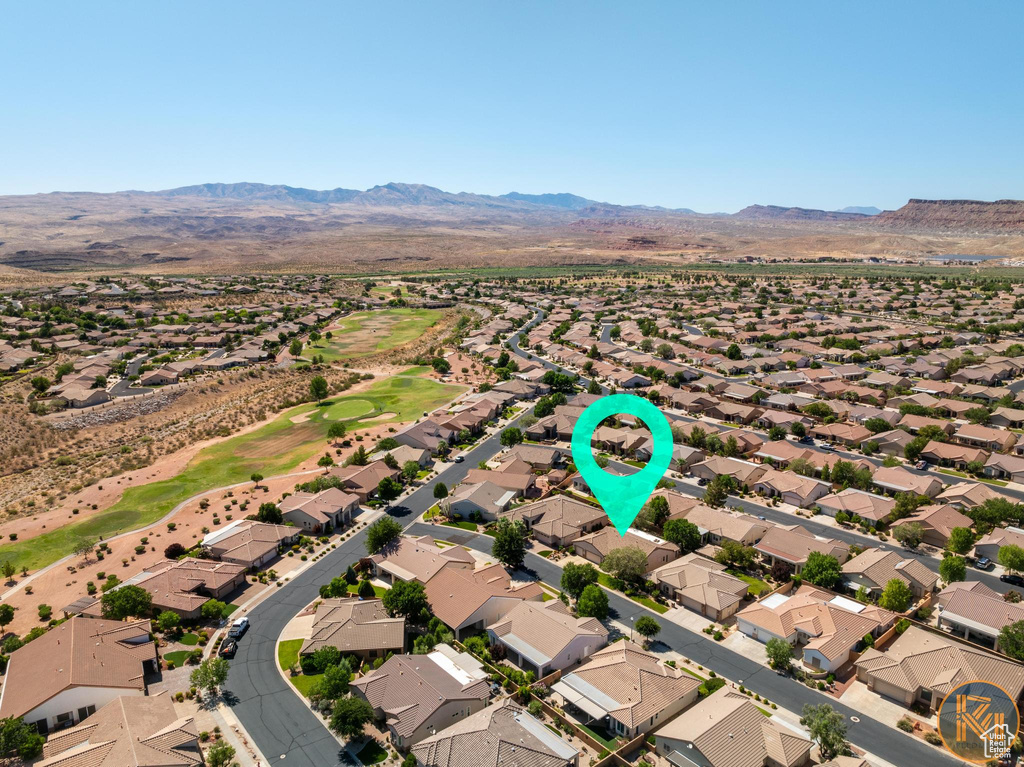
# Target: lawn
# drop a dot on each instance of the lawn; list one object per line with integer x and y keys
{"x": 276, "y": 448}
{"x": 177, "y": 657}
{"x": 461, "y": 524}
{"x": 288, "y": 653}
{"x": 755, "y": 586}
{"x": 189, "y": 639}
{"x": 987, "y": 480}
{"x": 372, "y": 753}
{"x": 605, "y": 580}
{"x": 378, "y": 591}
{"x": 366, "y": 333}
{"x": 601, "y": 735}
{"x": 304, "y": 683}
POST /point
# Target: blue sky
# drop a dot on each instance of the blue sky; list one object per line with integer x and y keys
{"x": 708, "y": 105}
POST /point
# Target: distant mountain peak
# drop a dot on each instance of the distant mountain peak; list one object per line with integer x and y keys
{"x": 782, "y": 213}
{"x": 864, "y": 210}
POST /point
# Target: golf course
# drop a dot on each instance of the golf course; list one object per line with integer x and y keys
{"x": 366, "y": 333}
{"x": 274, "y": 448}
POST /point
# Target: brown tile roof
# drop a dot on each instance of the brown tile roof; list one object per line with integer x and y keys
{"x": 558, "y": 516}
{"x": 939, "y": 517}
{"x": 130, "y": 731}
{"x": 640, "y": 684}
{"x": 409, "y": 688}
{"x": 920, "y": 659}
{"x": 454, "y": 594}
{"x": 701, "y": 580}
{"x": 355, "y": 625}
{"x": 881, "y": 566}
{"x": 82, "y": 652}
{"x": 730, "y": 732}
{"x": 547, "y": 628}
{"x": 250, "y": 541}
{"x": 796, "y": 544}
{"x": 420, "y": 559}
{"x": 500, "y": 735}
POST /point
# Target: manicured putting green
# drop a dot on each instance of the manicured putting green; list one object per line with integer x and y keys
{"x": 347, "y": 408}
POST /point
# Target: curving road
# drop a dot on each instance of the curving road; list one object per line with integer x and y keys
{"x": 283, "y": 727}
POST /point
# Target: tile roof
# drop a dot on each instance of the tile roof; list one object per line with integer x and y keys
{"x": 880, "y": 567}
{"x": 921, "y": 659}
{"x": 729, "y": 731}
{"x": 637, "y": 682}
{"x": 420, "y": 559}
{"x": 503, "y": 735}
{"x": 455, "y": 594}
{"x": 558, "y": 516}
{"x": 81, "y": 652}
{"x": 354, "y": 625}
{"x": 130, "y": 731}
{"x": 701, "y": 580}
{"x": 543, "y": 630}
{"x": 409, "y": 688}
{"x": 795, "y": 545}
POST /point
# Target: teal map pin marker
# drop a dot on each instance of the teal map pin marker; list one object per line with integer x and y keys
{"x": 622, "y": 497}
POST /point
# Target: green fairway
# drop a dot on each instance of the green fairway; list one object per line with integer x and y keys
{"x": 276, "y": 448}
{"x": 367, "y": 333}
{"x": 347, "y": 408}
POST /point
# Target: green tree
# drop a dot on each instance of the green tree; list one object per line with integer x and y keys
{"x": 359, "y": 457}
{"x": 337, "y": 431}
{"x": 896, "y": 596}
{"x": 822, "y": 570}
{"x": 1011, "y": 640}
{"x": 440, "y": 490}
{"x": 877, "y": 425}
{"x": 1012, "y": 558}
{"x": 126, "y": 602}
{"x": 220, "y": 754}
{"x": 656, "y": 511}
{"x": 8, "y": 569}
{"x": 210, "y": 674}
{"x": 827, "y": 728}
{"x": 350, "y": 716}
{"x": 256, "y": 478}
{"x": 213, "y": 609}
{"x": 978, "y": 415}
{"x": 511, "y": 436}
{"x": 576, "y": 577}
{"x": 509, "y": 545}
{"x": 593, "y": 603}
{"x": 366, "y": 590}
{"x": 17, "y": 737}
{"x": 388, "y": 489}
{"x": 779, "y": 652}
{"x": 647, "y": 627}
{"x": 628, "y": 563}
{"x": 953, "y": 569}
{"x": 909, "y": 534}
{"x": 325, "y": 461}
{"x": 295, "y": 348}
{"x": 717, "y": 492}
{"x": 6, "y": 615}
{"x": 440, "y": 365}
{"x": 318, "y": 388}
{"x": 333, "y": 684}
{"x": 405, "y": 598}
{"x": 40, "y": 384}
{"x": 961, "y": 540}
{"x": 733, "y": 352}
{"x": 410, "y": 470}
{"x": 270, "y": 514}
{"x": 168, "y": 621}
{"x": 683, "y": 534}
{"x": 382, "y": 534}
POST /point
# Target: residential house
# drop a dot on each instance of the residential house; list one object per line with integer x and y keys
{"x": 717, "y": 525}
{"x": 744, "y": 473}
{"x": 702, "y": 585}
{"x": 594, "y": 547}
{"x": 967, "y": 495}
{"x": 558, "y": 520}
{"x": 317, "y": 512}
{"x": 978, "y": 615}
{"x": 870, "y": 508}
{"x": 520, "y": 483}
{"x": 938, "y": 520}
{"x": 359, "y": 627}
{"x": 468, "y": 601}
{"x": 896, "y": 479}
{"x": 1001, "y": 536}
{"x": 791, "y": 487}
{"x": 1009, "y": 467}
{"x": 826, "y": 628}
{"x": 849, "y": 434}
{"x": 417, "y": 559}
{"x": 483, "y": 498}
{"x": 420, "y": 695}
{"x": 543, "y": 637}
{"x": 951, "y": 454}
{"x": 248, "y": 543}
{"x": 627, "y": 690}
{"x": 874, "y": 568}
{"x": 727, "y": 730}
{"x": 793, "y": 545}
{"x": 76, "y": 668}
{"x": 995, "y": 440}
{"x": 493, "y": 736}
{"x": 924, "y": 667}
{"x": 362, "y": 481}
{"x": 129, "y": 731}
{"x": 427, "y": 434}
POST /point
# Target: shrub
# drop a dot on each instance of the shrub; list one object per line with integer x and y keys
{"x": 933, "y": 737}
{"x": 905, "y": 724}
